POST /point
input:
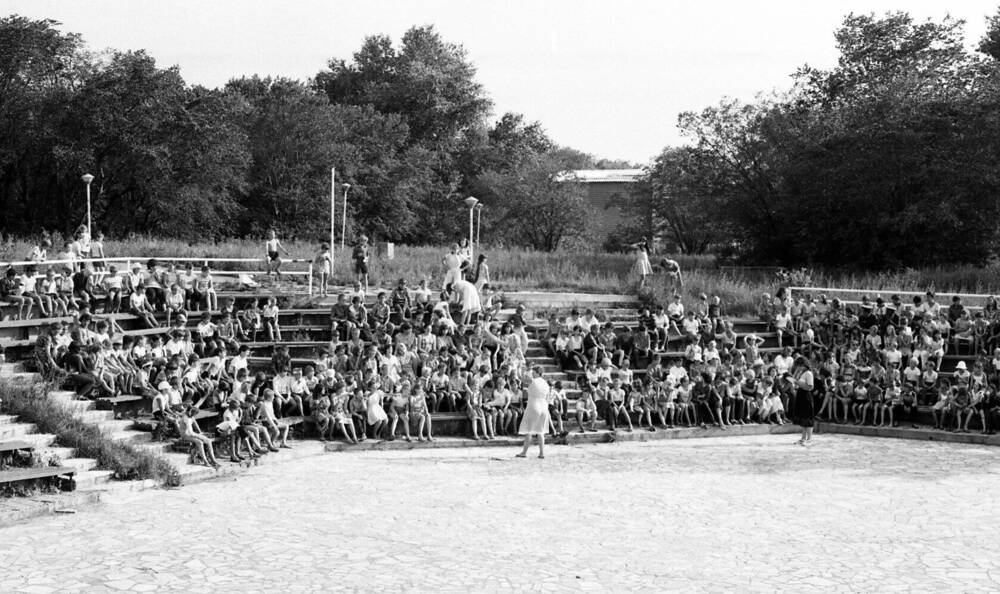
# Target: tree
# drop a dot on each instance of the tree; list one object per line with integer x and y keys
{"x": 428, "y": 82}
{"x": 686, "y": 190}
{"x": 535, "y": 207}
{"x": 990, "y": 43}
{"x": 882, "y": 161}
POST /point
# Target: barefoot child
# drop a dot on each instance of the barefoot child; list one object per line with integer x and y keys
{"x": 272, "y": 246}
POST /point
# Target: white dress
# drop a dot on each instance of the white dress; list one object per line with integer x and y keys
{"x": 536, "y": 412}
{"x": 454, "y": 265}
{"x": 468, "y": 296}
{"x": 642, "y": 266}
{"x": 375, "y": 411}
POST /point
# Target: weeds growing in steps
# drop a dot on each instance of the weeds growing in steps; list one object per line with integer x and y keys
{"x": 32, "y": 405}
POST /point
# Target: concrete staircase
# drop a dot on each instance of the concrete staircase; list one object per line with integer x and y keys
{"x": 87, "y": 476}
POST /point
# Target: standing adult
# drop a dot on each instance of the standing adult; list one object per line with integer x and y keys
{"x": 468, "y": 297}
{"x": 536, "y": 413}
{"x": 641, "y": 268}
{"x": 672, "y": 275}
{"x": 804, "y": 409}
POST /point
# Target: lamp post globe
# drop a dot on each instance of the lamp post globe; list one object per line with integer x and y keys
{"x": 87, "y": 178}
{"x": 343, "y": 218}
{"x": 471, "y": 202}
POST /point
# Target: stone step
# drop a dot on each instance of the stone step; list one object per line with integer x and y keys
{"x": 113, "y": 425}
{"x": 62, "y": 394}
{"x": 24, "y": 378}
{"x": 38, "y": 440}
{"x": 7, "y": 419}
{"x": 79, "y": 406}
{"x": 62, "y": 453}
{"x": 157, "y": 448}
{"x": 80, "y": 464}
{"x": 12, "y": 430}
{"x": 94, "y": 416}
{"x": 91, "y": 479}
{"x": 131, "y": 436}
{"x": 8, "y": 369}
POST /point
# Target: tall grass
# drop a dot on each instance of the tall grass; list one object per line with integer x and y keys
{"x": 510, "y": 268}
{"x": 738, "y": 297}
{"x": 31, "y": 405}
{"x": 518, "y": 268}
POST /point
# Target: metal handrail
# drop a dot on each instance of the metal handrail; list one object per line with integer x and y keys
{"x": 127, "y": 260}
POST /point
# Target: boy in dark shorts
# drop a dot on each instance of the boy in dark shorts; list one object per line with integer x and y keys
{"x": 360, "y": 256}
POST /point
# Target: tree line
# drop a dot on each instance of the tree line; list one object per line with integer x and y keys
{"x": 407, "y": 125}
{"x": 890, "y": 158}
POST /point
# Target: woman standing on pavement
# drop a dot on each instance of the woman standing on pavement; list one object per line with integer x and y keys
{"x": 536, "y": 413}
{"x": 803, "y": 410}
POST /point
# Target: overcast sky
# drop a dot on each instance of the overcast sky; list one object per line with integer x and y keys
{"x": 608, "y": 77}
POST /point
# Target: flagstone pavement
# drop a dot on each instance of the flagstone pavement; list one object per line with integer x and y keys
{"x": 744, "y": 514}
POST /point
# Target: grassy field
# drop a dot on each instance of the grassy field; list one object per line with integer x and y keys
{"x": 570, "y": 270}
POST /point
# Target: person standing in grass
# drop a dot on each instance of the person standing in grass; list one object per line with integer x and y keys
{"x": 535, "y": 421}
{"x": 323, "y": 264}
{"x": 804, "y": 384}
{"x": 641, "y": 268}
{"x": 360, "y": 257}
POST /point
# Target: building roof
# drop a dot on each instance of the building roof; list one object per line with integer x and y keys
{"x": 596, "y": 176}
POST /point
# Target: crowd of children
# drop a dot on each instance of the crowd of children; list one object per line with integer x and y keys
{"x": 875, "y": 362}
{"x": 389, "y": 364}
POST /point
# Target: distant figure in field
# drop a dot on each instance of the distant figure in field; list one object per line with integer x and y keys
{"x": 672, "y": 275}
{"x": 360, "y": 255}
{"x": 453, "y": 264}
{"x": 272, "y": 247}
{"x": 641, "y": 268}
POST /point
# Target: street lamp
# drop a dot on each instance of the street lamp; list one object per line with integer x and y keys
{"x": 471, "y": 202}
{"x": 87, "y": 178}
{"x": 479, "y": 220}
{"x": 343, "y": 224}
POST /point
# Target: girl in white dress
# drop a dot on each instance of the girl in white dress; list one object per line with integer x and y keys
{"x": 453, "y": 264}
{"x": 536, "y": 413}
{"x": 377, "y": 419}
{"x": 482, "y": 274}
{"x": 642, "y": 267}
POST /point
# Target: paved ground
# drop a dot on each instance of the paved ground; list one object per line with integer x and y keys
{"x": 740, "y": 514}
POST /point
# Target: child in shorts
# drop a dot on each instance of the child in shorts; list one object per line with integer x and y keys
{"x": 323, "y": 265}
{"x": 417, "y": 408}
{"x": 269, "y": 316}
{"x": 273, "y": 259}
{"x": 940, "y": 408}
{"x": 586, "y": 411}
{"x": 558, "y": 406}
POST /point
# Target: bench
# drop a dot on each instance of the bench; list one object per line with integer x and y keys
{"x": 118, "y": 404}
{"x": 60, "y": 475}
{"x": 9, "y": 449}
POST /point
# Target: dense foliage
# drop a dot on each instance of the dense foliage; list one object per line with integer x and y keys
{"x": 408, "y": 126}
{"x": 888, "y": 159}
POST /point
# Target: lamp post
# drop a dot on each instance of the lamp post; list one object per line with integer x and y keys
{"x": 87, "y": 178}
{"x": 471, "y": 202}
{"x": 333, "y": 218}
{"x": 479, "y": 220}
{"x": 343, "y": 224}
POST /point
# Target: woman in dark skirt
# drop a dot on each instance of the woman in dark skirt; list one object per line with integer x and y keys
{"x": 803, "y": 412}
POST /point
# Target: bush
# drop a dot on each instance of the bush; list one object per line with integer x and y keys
{"x": 31, "y": 405}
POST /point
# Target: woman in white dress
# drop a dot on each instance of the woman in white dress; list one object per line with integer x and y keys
{"x": 642, "y": 267}
{"x": 468, "y": 297}
{"x": 482, "y": 275}
{"x": 536, "y": 413}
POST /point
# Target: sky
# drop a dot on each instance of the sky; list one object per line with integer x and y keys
{"x": 608, "y": 78}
